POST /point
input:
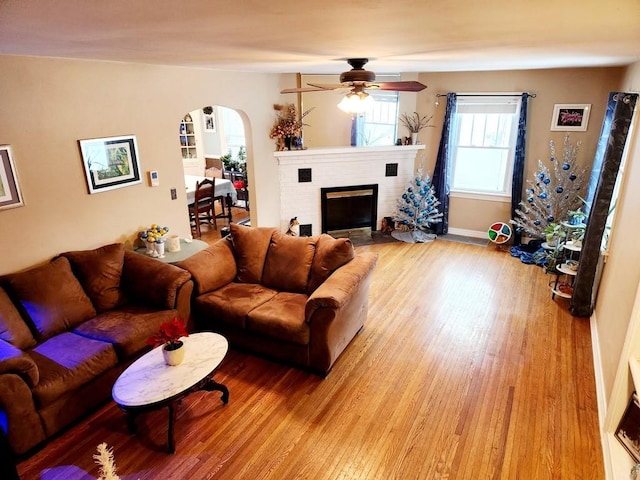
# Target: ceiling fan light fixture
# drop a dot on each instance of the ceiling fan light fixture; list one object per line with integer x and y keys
{"x": 356, "y": 102}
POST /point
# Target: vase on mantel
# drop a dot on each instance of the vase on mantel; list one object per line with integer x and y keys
{"x": 414, "y": 138}
{"x": 287, "y": 142}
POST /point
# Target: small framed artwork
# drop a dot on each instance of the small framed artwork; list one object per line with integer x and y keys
{"x": 10, "y": 196}
{"x": 210, "y": 122}
{"x": 568, "y": 117}
{"x": 110, "y": 162}
{"x": 628, "y": 431}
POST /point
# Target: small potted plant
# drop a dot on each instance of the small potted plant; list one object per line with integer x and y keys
{"x": 169, "y": 336}
{"x": 576, "y": 217}
{"x": 554, "y": 233}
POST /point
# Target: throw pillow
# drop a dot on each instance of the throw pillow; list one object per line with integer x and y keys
{"x": 288, "y": 262}
{"x": 212, "y": 267}
{"x": 52, "y": 297}
{"x": 250, "y": 245}
{"x": 12, "y": 327}
{"x": 331, "y": 254}
{"x": 100, "y": 271}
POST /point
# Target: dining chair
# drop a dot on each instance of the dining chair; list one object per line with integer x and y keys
{"x": 202, "y": 210}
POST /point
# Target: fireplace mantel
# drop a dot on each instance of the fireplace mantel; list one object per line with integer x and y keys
{"x": 302, "y": 173}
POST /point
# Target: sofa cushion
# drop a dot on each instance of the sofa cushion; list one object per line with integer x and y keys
{"x": 231, "y": 303}
{"x": 52, "y": 297}
{"x": 99, "y": 272}
{"x": 250, "y": 246}
{"x": 211, "y": 268}
{"x": 282, "y": 317}
{"x": 288, "y": 262}
{"x": 68, "y": 361}
{"x": 12, "y": 326}
{"x": 126, "y": 328}
{"x": 331, "y": 254}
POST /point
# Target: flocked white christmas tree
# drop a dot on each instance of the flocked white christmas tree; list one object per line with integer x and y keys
{"x": 550, "y": 196}
{"x": 417, "y": 209}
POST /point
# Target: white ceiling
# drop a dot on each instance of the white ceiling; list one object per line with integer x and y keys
{"x": 286, "y": 36}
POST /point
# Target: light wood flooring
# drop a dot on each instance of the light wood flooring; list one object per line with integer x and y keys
{"x": 465, "y": 369}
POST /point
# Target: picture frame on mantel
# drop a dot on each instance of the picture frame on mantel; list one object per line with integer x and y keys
{"x": 10, "y": 195}
{"x": 570, "y": 117}
{"x": 110, "y": 162}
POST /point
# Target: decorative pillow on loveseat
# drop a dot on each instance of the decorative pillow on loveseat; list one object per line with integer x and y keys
{"x": 251, "y": 245}
{"x": 331, "y": 254}
{"x": 52, "y": 297}
{"x": 288, "y": 262}
{"x": 100, "y": 271}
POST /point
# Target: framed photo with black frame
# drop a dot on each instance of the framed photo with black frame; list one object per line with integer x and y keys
{"x": 10, "y": 196}
{"x": 110, "y": 162}
{"x": 570, "y": 117}
{"x": 628, "y": 431}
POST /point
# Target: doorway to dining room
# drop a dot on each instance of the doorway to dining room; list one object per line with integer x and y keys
{"x": 213, "y": 145}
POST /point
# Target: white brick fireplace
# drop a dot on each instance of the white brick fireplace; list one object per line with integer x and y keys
{"x": 303, "y": 173}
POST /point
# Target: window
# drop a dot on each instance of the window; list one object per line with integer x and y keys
{"x": 233, "y": 130}
{"x": 484, "y": 138}
{"x": 379, "y": 125}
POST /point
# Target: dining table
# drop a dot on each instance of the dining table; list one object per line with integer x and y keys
{"x": 223, "y": 188}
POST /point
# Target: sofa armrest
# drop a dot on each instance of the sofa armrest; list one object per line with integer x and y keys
{"x": 337, "y": 310}
{"x": 21, "y": 421}
{"x": 211, "y": 268}
{"x": 14, "y": 360}
{"x": 152, "y": 282}
{"x": 336, "y": 290}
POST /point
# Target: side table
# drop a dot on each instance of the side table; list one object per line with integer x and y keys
{"x": 186, "y": 250}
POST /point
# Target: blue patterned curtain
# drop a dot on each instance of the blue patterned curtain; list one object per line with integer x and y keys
{"x": 518, "y": 164}
{"x": 442, "y": 170}
{"x": 606, "y": 164}
{"x": 598, "y": 160}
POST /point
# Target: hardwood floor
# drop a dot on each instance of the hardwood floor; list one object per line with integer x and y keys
{"x": 465, "y": 369}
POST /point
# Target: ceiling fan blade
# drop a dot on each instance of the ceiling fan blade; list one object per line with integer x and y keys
{"x": 329, "y": 86}
{"x": 410, "y": 86}
{"x": 302, "y": 90}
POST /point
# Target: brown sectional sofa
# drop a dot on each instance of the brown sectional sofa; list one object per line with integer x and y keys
{"x": 69, "y": 327}
{"x": 298, "y": 299}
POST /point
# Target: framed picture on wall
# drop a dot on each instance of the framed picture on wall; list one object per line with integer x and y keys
{"x": 628, "y": 431}
{"x": 110, "y": 162}
{"x": 568, "y": 117}
{"x": 10, "y": 196}
{"x": 210, "y": 122}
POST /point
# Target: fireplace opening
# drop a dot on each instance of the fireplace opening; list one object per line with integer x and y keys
{"x": 348, "y": 209}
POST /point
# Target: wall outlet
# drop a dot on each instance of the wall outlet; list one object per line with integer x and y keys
{"x": 174, "y": 194}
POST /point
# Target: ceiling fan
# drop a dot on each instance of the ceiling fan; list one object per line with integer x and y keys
{"x": 358, "y": 79}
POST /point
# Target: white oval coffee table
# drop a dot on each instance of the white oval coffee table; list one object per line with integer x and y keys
{"x": 149, "y": 384}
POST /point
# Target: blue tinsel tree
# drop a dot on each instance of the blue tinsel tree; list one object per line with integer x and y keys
{"x": 550, "y": 196}
{"x": 417, "y": 209}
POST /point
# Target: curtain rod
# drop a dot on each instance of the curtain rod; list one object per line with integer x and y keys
{"x": 533, "y": 95}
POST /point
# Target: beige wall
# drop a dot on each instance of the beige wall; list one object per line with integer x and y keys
{"x": 331, "y": 127}
{"x": 621, "y": 275}
{"x": 50, "y": 104}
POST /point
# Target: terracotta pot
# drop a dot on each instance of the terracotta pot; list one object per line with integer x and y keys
{"x": 173, "y": 357}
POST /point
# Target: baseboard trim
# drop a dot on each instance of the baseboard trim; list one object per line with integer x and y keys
{"x": 468, "y": 233}
{"x": 601, "y": 398}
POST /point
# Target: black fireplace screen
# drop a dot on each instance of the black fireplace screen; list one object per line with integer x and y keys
{"x": 350, "y": 207}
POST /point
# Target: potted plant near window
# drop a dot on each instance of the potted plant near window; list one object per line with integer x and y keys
{"x": 554, "y": 233}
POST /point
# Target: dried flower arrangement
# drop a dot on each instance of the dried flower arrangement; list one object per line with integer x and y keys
{"x": 414, "y": 123}
{"x": 287, "y": 123}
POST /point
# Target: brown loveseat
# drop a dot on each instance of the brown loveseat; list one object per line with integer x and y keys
{"x": 69, "y": 327}
{"x": 298, "y": 299}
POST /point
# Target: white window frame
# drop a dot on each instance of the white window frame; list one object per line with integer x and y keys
{"x": 488, "y": 99}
